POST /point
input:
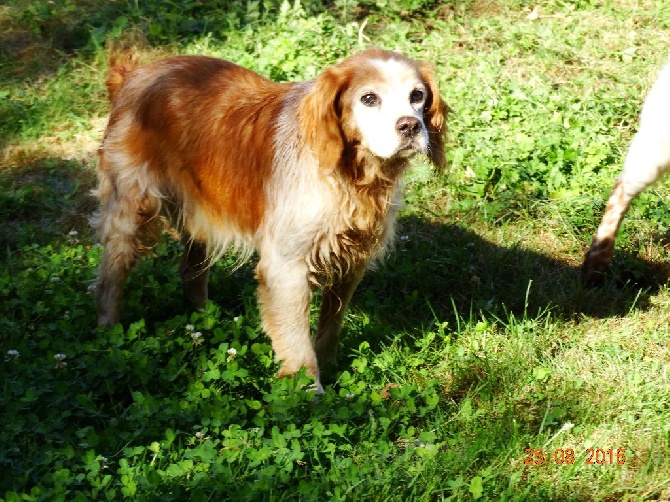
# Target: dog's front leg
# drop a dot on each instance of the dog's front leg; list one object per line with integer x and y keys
{"x": 283, "y": 297}
{"x": 335, "y": 301}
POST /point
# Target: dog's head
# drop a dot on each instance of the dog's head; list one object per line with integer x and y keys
{"x": 377, "y": 101}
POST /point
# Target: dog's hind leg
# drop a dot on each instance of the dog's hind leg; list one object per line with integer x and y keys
{"x": 127, "y": 224}
{"x": 647, "y": 160}
{"x": 194, "y": 271}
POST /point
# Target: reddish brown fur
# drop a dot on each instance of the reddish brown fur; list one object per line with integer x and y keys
{"x": 120, "y": 65}
{"x": 178, "y": 134}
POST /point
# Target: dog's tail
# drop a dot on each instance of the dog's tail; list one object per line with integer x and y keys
{"x": 119, "y": 67}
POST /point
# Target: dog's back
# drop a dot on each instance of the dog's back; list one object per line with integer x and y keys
{"x": 184, "y": 132}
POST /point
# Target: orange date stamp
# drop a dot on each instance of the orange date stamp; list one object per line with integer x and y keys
{"x": 566, "y": 456}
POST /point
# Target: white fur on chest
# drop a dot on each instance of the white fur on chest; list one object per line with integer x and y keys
{"x": 322, "y": 215}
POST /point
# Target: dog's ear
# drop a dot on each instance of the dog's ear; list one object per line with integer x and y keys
{"x": 434, "y": 116}
{"x": 319, "y": 117}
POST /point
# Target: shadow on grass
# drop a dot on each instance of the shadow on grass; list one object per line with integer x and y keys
{"x": 437, "y": 271}
{"x": 43, "y": 201}
{"x": 442, "y": 270}
{"x": 35, "y": 40}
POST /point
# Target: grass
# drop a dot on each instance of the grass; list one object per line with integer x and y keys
{"x": 472, "y": 348}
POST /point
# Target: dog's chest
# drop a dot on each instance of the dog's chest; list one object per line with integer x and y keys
{"x": 358, "y": 231}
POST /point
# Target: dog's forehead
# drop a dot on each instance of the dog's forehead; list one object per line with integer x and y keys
{"x": 397, "y": 73}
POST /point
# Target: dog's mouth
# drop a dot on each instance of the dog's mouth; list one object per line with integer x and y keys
{"x": 403, "y": 148}
{"x": 411, "y": 146}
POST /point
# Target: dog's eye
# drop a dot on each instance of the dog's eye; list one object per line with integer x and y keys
{"x": 371, "y": 99}
{"x": 416, "y": 96}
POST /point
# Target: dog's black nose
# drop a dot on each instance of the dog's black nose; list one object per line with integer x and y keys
{"x": 408, "y": 127}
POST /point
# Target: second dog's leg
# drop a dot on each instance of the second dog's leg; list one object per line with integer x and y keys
{"x": 283, "y": 298}
{"x": 194, "y": 272}
{"x": 647, "y": 160}
{"x": 335, "y": 301}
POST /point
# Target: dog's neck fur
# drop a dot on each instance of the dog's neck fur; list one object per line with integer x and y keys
{"x": 362, "y": 228}
{"x": 355, "y": 223}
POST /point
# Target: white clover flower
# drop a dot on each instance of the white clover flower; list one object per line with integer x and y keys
{"x": 12, "y": 355}
{"x": 235, "y": 319}
{"x": 350, "y": 396}
{"x": 60, "y": 360}
{"x": 567, "y": 426}
{"x": 55, "y": 278}
{"x": 196, "y": 337}
{"x": 190, "y": 327}
{"x": 231, "y": 354}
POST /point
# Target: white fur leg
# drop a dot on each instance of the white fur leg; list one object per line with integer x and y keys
{"x": 283, "y": 297}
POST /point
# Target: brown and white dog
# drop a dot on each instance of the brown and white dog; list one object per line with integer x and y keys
{"x": 307, "y": 174}
{"x": 648, "y": 159}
